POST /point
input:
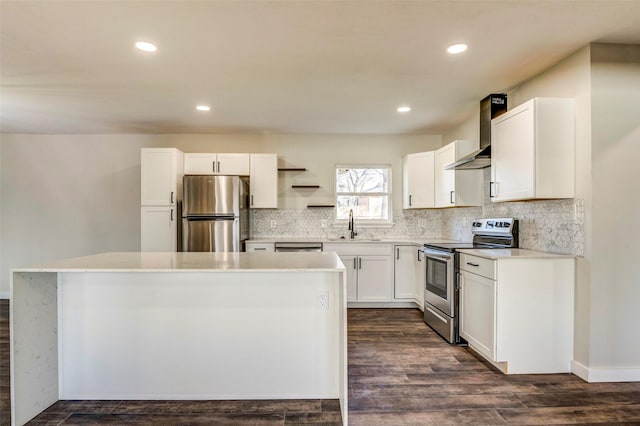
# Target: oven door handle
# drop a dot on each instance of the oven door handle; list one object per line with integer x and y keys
{"x": 435, "y": 256}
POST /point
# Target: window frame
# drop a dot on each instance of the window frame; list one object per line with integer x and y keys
{"x": 365, "y": 223}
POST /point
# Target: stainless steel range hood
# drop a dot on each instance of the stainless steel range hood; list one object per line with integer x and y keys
{"x": 478, "y": 159}
{"x": 490, "y": 107}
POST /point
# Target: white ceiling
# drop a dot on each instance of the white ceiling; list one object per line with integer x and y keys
{"x": 280, "y": 66}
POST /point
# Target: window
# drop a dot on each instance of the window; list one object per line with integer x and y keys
{"x": 365, "y": 189}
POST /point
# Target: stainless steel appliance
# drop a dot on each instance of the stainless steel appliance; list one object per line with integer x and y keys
{"x": 214, "y": 213}
{"x": 442, "y": 273}
{"x": 297, "y": 246}
{"x": 490, "y": 107}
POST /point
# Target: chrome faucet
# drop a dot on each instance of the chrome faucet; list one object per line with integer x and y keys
{"x": 352, "y": 225}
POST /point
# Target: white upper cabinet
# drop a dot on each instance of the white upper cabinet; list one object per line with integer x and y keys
{"x": 418, "y": 181}
{"x": 216, "y": 164}
{"x": 533, "y": 151}
{"x": 161, "y": 176}
{"x": 263, "y": 181}
{"x": 456, "y": 188}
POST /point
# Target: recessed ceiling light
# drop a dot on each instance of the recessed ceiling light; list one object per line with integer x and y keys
{"x": 403, "y": 108}
{"x": 457, "y": 48}
{"x": 145, "y": 46}
{"x": 203, "y": 108}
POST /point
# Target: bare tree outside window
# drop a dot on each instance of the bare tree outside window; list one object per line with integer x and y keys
{"x": 365, "y": 190}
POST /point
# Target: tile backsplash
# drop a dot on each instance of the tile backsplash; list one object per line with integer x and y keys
{"x": 555, "y": 226}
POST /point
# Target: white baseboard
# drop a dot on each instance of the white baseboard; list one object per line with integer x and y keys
{"x": 5, "y": 295}
{"x": 382, "y": 305}
{"x": 594, "y": 375}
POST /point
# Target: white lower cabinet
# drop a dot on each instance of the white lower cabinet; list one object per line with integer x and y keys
{"x": 158, "y": 228}
{"x": 259, "y": 246}
{"x": 374, "y": 278}
{"x": 368, "y": 278}
{"x": 369, "y": 270}
{"x": 517, "y": 311}
{"x": 409, "y": 274}
{"x": 351, "y": 263}
{"x": 478, "y": 307}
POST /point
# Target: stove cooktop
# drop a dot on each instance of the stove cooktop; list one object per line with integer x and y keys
{"x": 450, "y": 246}
{"x": 487, "y": 233}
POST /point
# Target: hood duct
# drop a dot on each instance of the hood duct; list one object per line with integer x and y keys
{"x": 490, "y": 107}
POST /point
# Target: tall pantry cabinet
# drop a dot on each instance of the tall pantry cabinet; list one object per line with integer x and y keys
{"x": 161, "y": 171}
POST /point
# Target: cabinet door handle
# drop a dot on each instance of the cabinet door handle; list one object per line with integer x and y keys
{"x": 171, "y": 215}
{"x": 355, "y": 259}
{"x": 171, "y": 197}
{"x": 260, "y": 249}
{"x": 251, "y": 200}
{"x": 419, "y": 251}
{"x": 473, "y": 264}
{"x": 213, "y": 166}
{"x": 398, "y": 253}
{"x": 491, "y": 194}
{"x": 451, "y": 197}
{"x": 218, "y": 167}
{"x": 410, "y": 204}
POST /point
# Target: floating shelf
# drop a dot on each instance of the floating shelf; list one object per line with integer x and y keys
{"x": 317, "y": 206}
{"x": 292, "y": 169}
{"x": 305, "y": 186}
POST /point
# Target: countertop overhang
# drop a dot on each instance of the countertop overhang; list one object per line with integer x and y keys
{"x": 194, "y": 262}
{"x": 514, "y": 253}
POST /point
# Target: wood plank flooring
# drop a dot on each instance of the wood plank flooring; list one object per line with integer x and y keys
{"x": 400, "y": 372}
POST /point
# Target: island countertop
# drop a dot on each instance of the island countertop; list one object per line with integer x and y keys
{"x": 193, "y": 261}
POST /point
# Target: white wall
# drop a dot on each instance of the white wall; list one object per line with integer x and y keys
{"x": 3, "y": 293}
{"x": 604, "y": 80}
{"x": 72, "y": 195}
{"x": 571, "y": 78}
{"x": 615, "y": 281}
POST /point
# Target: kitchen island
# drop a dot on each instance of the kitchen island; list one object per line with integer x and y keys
{"x": 178, "y": 326}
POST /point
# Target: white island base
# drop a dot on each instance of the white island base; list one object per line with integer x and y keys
{"x": 179, "y": 326}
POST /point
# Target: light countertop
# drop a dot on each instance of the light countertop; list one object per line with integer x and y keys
{"x": 390, "y": 240}
{"x": 514, "y": 254}
{"x": 194, "y": 262}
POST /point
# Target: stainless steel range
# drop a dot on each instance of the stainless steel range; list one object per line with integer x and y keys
{"x": 442, "y": 263}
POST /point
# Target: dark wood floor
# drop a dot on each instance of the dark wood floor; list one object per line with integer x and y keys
{"x": 400, "y": 372}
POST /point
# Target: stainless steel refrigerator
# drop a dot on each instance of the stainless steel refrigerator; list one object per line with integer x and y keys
{"x": 214, "y": 213}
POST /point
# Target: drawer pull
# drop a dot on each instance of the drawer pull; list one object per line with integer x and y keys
{"x": 473, "y": 264}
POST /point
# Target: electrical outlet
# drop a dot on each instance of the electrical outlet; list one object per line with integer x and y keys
{"x": 323, "y": 300}
{"x": 273, "y": 224}
{"x": 422, "y": 222}
{"x": 323, "y": 223}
